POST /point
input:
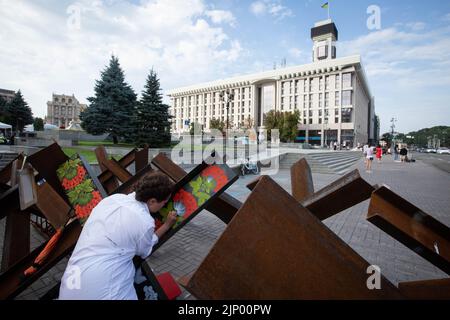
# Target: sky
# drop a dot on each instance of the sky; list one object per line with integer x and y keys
{"x": 58, "y": 46}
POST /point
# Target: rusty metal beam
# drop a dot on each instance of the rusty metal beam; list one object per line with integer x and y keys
{"x": 341, "y": 194}
{"x": 12, "y": 283}
{"x": 46, "y": 162}
{"x": 436, "y": 289}
{"x": 417, "y": 230}
{"x": 224, "y": 206}
{"x": 301, "y": 180}
{"x": 16, "y": 241}
{"x": 141, "y": 159}
{"x": 276, "y": 249}
{"x": 5, "y": 173}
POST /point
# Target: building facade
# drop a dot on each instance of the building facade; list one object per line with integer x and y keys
{"x": 331, "y": 94}
{"x": 7, "y": 95}
{"x": 63, "y": 110}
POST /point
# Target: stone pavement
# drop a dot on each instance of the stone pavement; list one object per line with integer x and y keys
{"x": 422, "y": 184}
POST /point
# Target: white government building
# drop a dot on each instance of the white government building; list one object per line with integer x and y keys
{"x": 332, "y": 95}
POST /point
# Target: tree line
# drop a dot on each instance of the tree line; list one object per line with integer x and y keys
{"x": 16, "y": 112}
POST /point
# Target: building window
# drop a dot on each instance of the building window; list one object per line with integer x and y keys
{"x": 327, "y": 83}
{"x": 320, "y": 84}
{"x": 327, "y": 98}
{"x": 337, "y": 82}
{"x": 347, "y": 98}
{"x": 320, "y": 120}
{"x": 310, "y": 113}
{"x": 305, "y": 89}
{"x": 310, "y": 121}
{"x": 320, "y": 112}
{"x": 304, "y": 101}
{"x": 336, "y": 98}
{"x": 310, "y": 100}
{"x": 311, "y": 84}
{"x": 346, "y": 115}
{"x": 322, "y": 52}
{"x": 347, "y": 80}
{"x": 304, "y": 121}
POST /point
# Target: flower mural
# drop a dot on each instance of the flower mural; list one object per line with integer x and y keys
{"x": 80, "y": 189}
{"x": 194, "y": 194}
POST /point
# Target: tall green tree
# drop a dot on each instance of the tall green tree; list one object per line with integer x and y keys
{"x": 19, "y": 113}
{"x": 38, "y": 124}
{"x": 152, "y": 120}
{"x": 285, "y": 122}
{"x": 112, "y": 108}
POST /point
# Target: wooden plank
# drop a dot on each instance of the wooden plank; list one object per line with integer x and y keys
{"x": 16, "y": 241}
{"x": 12, "y": 282}
{"x": 274, "y": 248}
{"x": 301, "y": 180}
{"x": 224, "y": 206}
{"x": 436, "y": 289}
{"x": 102, "y": 157}
{"x": 339, "y": 195}
{"x": 417, "y": 230}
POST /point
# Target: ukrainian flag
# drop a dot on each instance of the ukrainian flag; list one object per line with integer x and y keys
{"x": 325, "y": 5}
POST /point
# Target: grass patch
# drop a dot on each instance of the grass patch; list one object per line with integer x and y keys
{"x": 88, "y": 154}
{"x": 105, "y": 143}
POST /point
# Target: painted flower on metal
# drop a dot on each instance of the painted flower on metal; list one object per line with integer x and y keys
{"x": 216, "y": 174}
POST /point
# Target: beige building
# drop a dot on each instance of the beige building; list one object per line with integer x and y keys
{"x": 332, "y": 95}
{"x": 7, "y": 95}
{"x": 63, "y": 110}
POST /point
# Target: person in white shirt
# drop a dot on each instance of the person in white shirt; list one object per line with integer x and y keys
{"x": 369, "y": 158}
{"x": 119, "y": 228}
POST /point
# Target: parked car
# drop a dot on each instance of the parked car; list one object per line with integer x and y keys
{"x": 443, "y": 150}
{"x": 430, "y": 150}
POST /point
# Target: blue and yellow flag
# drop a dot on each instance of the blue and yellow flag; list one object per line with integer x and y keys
{"x": 325, "y": 5}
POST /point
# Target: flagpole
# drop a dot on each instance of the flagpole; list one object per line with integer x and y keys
{"x": 328, "y": 8}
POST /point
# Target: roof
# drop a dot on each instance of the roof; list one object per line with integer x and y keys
{"x": 5, "y": 126}
{"x": 318, "y": 67}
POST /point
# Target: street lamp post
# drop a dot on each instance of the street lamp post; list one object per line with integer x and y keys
{"x": 226, "y": 97}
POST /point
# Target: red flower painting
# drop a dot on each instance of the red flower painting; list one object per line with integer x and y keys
{"x": 216, "y": 173}
{"x": 187, "y": 201}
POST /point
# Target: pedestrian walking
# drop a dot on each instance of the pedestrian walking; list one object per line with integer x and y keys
{"x": 369, "y": 158}
{"x": 379, "y": 153}
{"x": 403, "y": 154}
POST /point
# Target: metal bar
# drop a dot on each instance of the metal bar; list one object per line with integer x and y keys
{"x": 409, "y": 225}
{"x": 301, "y": 180}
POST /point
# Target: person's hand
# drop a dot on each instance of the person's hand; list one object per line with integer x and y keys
{"x": 171, "y": 218}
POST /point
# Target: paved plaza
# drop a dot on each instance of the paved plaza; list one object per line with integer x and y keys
{"x": 422, "y": 184}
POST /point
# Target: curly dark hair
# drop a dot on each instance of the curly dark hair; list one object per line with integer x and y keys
{"x": 154, "y": 185}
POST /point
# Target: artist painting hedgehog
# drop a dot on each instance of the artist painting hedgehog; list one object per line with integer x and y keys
{"x": 119, "y": 228}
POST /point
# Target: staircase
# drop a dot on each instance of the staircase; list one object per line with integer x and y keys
{"x": 326, "y": 162}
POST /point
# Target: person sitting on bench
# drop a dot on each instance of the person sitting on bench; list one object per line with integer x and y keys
{"x": 119, "y": 228}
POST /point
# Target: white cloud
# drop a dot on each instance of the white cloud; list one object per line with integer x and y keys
{"x": 416, "y": 26}
{"x": 273, "y": 8}
{"x": 43, "y": 55}
{"x": 221, "y": 16}
{"x": 258, "y": 8}
{"x": 447, "y": 17}
{"x": 408, "y": 72}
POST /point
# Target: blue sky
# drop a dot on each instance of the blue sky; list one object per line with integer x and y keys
{"x": 61, "y": 46}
